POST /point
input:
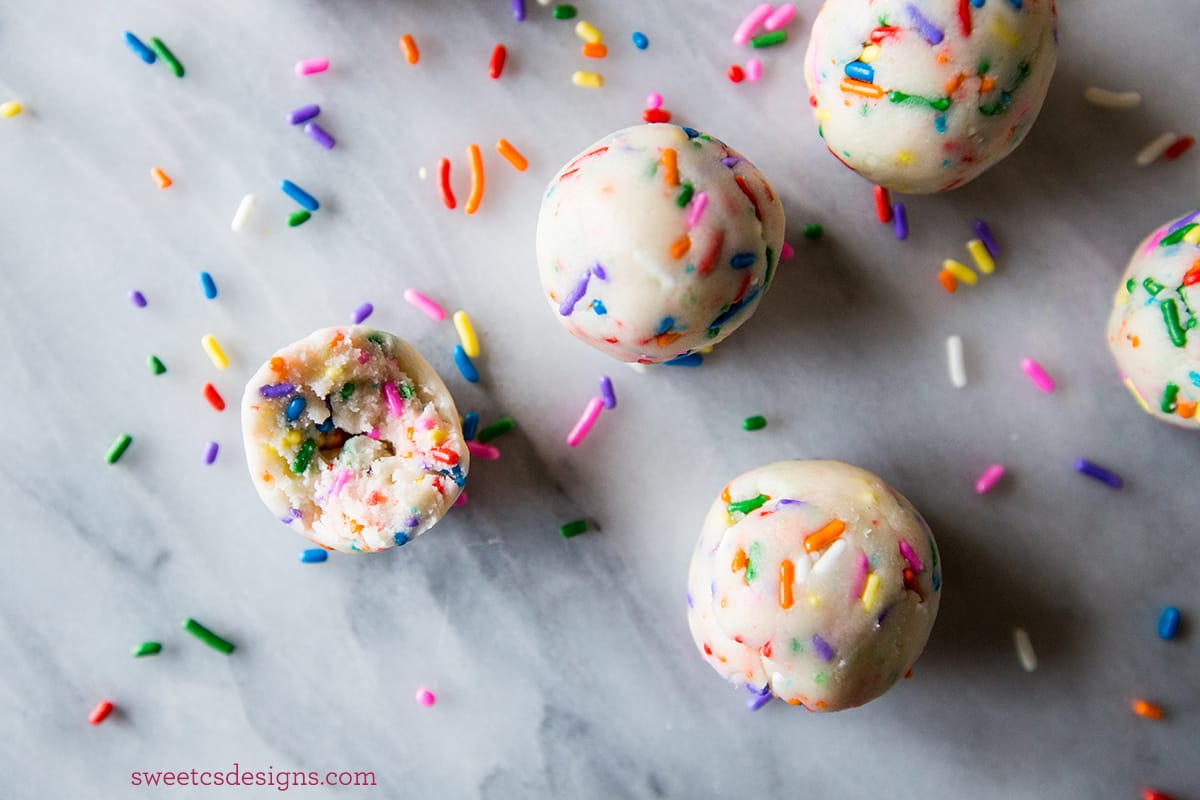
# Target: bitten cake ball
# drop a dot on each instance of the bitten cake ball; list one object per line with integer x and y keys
{"x": 657, "y": 241}
{"x": 815, "y": 582}
{"x": 1152, "y": 330}
{"x": 922, "y": 96}
{"x": 353, "y": 440}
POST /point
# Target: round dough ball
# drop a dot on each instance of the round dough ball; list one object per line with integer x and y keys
{"x": 814, "y": 581}
{"x": 1152, "y": 330}
{"x": 352, "y": 439}
{"x": 923, "y": 96}
{"x": 657, "y": 241}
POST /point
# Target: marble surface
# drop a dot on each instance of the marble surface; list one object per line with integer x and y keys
{"x": 563, "y": 668}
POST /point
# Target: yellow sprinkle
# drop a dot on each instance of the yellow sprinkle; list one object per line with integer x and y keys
{"x": 592, "y": 80}
{"x": 822, "y": 114}
{"x": 1193, "y": 236}
{"x": 869, "y": 53}
{"x": 1137, "y": 396}
{"x": 904, "y": 157}
{"x": 1005, "y": 34}
{"x": 215, "y": 353}
{"x": 437, "y": 435}
{"x": 960, "y": 271}
{"x": 466, "y": 334}
{"x": 870, "y": 590}
{"x": 10, "y": 109}
{"x": 291, "y": 438}
{"x": 588, "y": 32}
{"x": 983, "y": 259}
{"x": 705, "y": 350}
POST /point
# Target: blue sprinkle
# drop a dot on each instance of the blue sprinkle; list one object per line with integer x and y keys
{"x": 470, "y": 425}
{"x": 640, "y": 41}
{"x": 690, "y": 360}
{"x": 463, "y": 362}
{"x": 1016, "y": 4}
{"x": 599, "y": 308}
{"x": 743, "y": 260}
{"x": 313, "y": 555}
{"x": 326, "y": 426}
{"x": 1195, "y": 376}
{"x": 978, "y": 3}
{"x": 1168, "y": 623}
{"x": 734, "y": 309}
{"x": 208, "y": 285}
{"x": 295, "y": 408}
{"x": 302, "y": 198}
{"x": 937, "y": 581}
{"x": 664, "y": 326}
{"x": 692, "y": 133}
{"x": 1082, "y": 465}
{"x": 939, "y": 122}
{"x": 400, "y": 538}
{"x": 139, "y": 48}
{"x": 860, "y": 72}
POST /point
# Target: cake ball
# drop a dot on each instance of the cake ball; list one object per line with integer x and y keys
{"x": 1152, "y": 330}
{"x": 352, "y": 439}
{"x": 922, "y": 96}
{"x": 657, "y": 241}
{"x": 814, "y": 582}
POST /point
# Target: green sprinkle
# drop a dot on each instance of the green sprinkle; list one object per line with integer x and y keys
{"x": 820, "y": 678}
{"x": 298, "y": 218}
{"x": 1129, "y": 285}
{"x": 1170, "y": 394}
{"x": 751, "y": 560}
{"x": 984, "y": 66}
{"x": 937, "y": 104}
{"x": 167, "y": 56}
{"x": 796, "y": 646}
{"x": 685, "y": 195}
{"x": 1153, "y": 286}
{"x": 564, "y": 11}
{"x": 746, "y": 506}
{"x": 304, "y": 456}
{"x": 496, "y": 430}
{"x": 347, "y": 390}
{"x": 118, "y": 449}
{"x": 145, "y": 649}
{"x": 755, "y": 423}
{"x": 1171, "y": 317}
{"x": 377, "y": 338}
{"x": 1177, "y": 236}
{"x": 156, "y": 366}
{"x": 813, "y": 231}
{"x": 769, "y": 39}
{"x": 406, "y": 391}
{"x": 574, "y": 528}
{"x": 208, "y": 637}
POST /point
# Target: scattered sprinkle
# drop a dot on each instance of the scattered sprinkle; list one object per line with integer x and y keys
{"x": 754, "y": 423}
{"x": 1154, "y": 794}
{"x": 985, "y": 235}
{"x": 948, "y": 282}
{"x": 590, "y": 80}
{"x": 470, "y": 425}
{"x": 168, "y": 58}
{"x": 590, "y": 413}
{"x": 118, "y": 448}
{"x": 303, "y": 113}
{"x": 463, "y": 362}
{"x": 100, "y": 712}
{"x": 409, "y": 46}
{"x": 1168, "y": 623}
{"x": 1146, "y": 709}
{"x": 980, "y": 255}
{"x": 990, "y": 477}
{"x": 210, "y": 452}
{"x": 1025, "y": 653}
{"x": 960, "y": 271}
{"x": 1178, "y": 148}
{"x": 606, "y": 392}
{"x": 518, "y": 10}
{"x": 754, "y": 69}
{"x": 813, "y": 231}
{"x": 137, "y": 298}
{"x": 145, "y": 649}
{"x": 361, "y": 313}
{"x": 640, "y": 41}
{"x": 475, "y": 195}
{"x": 496, "y": 429}
{"x": 487, "y": 452}
{"x": 1040, "y": 378}
{"x": 466, "y": 333}
{"x": 954, "y": 362}
{"x": 155, "y": 365}
{"x": 313, "y": 555}
{"x": 311, "y": 66}
{"x": 573, "y": 528}
{"x": 597, "y": 50}
{"x": 302, "y": 198}
{"x": 564, "y": 11}
{"x": 769, "y": 39}
{"x": 319, "y": 135}
{"x": 215, "y": 354}
{"x": 214, "y": 397}
{"x": 883, "y": 204}
{"x": 208, "y": 637}
{"x": 208, "y": 285}
{"x": 161, "y": 178}
{"x": 786, "y": 252}
{"x": 1085, "y": 467}
{"x": 750, "y": 23}
{"x": 511, "y": 154}
{"x": 1106, "y": 98}
{"x": 735, "y": 74}
{"x": 900, "y": 221}
{"x": 780, "y": 17}
{"x": 1154, "y": 149}
{"x": 426, "y": 697}
{"x": 10, "y": 108}
{"x": 689, "y": 360}
{"x": 139, "y": 48}
{"x": 424, "y": 304}
{"x": 496, "y": 62}
{"x": 588, "y": 32}
{"x": 241, "y": 217}
{"x": 757, "y": 701}
{"x": 298, "y": 218}
{"x": 443, "y": 167}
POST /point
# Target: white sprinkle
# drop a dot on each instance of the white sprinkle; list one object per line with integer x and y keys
{"x": 954, "y": 360}
{"x": 1106, "y": 98}
{"x": 828, "y": 559}
{"x": 1025, "y": 653}
{"x": 1151, "y": 152}
{"x": 241, "y": 217}
{"x": 640, "y": 369}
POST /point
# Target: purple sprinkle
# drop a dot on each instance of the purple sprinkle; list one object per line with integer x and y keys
{"x": 137, "y": 298}
{"x": 412, "y": 522}
{"x": 1190, "y": 218}
{"x": 567, "y": 306}
{"x": 822, "y": 647}
{"x": 1098, "y": 472}
{"x": 518, "y": 10}
{"x": 731, "y": 161}
{"x": 900, "y": 221}
{"x": 606, "y": 392}
{"x": 292, "y": 515}
{"x": 304, "y": 114}
{"x": 765, "y": 691}
{"x": 362, "y": 312}
{"x": 276, "y": 390}
{"x": 598, "y": 271}
{"x": 691, "y": 603}
{"x": 210, "y": 452}
{"x": 985, "y": 235}
{"x": 755, "y": 702}
{"x": 930, "y": 32}
{"x": 788, "y": 502}
{"x": 319, "y": 135}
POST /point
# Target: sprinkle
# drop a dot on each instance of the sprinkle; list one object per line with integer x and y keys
{"x": 10, "y": 108}
{"x": 304, "y": 456}
{"x": 466, "y": 333}
{"x": 567, "y": 306}
{"x": 988, "y": 480}
{"x": 137, "y": 298}
{"x": 1025, "y": 653}
{"x": 735, "y": 73}
{"x": 156, "y": 366}
{"x": 518, "y": 10}
{"x": 781, "y": 16}
{"x": 390, "y": 393}
{"x": 475, "y": 195}
{"x": 813, "y": 231}
{"x": 461, "y": 500}
{"x": 215, "y": 354}
{"x": 870, "y": 589}
{"x": 696, "y": 209}
{"x": 160, "y": 177}
{"x": 511, "y": 155}
{"x": 900, "y": 221}
{"x": 651, "y": 115}
{"x": 210, "y": 452}
{"x": 787, "y": 577}
{"x": 311, "y": 66}
{"x": 588, "y": 32}
{"x": 1144, "y": 708}
{"x": 1153, "y": 794}
{"x": 409, "y": 47}
{"x": 319, "y": 135}
{"x": 564, "y": 11}
{"x": 208, "y": 637}
{"x": 985, "y": 235}
{"x": 1038, "y": 375}
{"x": 463, "y": 362}
{"x": 426, "y": 305}
{"x": 960, "y": 271}
{"x": 947, "y": 281}
{"x": 769, "y": 39}
{"x": 1170, "y": 398}
{"x": 573, "y": 528}
{"x": 594, "y": 50}
{"x": 590, "y": 413}
{"x": 640, "y": 41}
{"x": 469, "y": 425}
{"x": 1154, "y": 150}
{"x": 689, "y": 360}
{"x": 313, "y": 555}
{"x": 496, "y": 429}
{"x": 302, "y": 198}
{"x": 607, "y": 395}
{"x": 213, "y": 397}
{"x": 757, "y": 701}
{"x": 911, "y": 556}
{"x": 747, "y": 505}
{"x": 754, "y": 69}
{"x": 496, "y": 63}
{"x": 930, "y": 32}
{"x": 750, "y": 23}
{"x": 208, "y": 285}
{"x": 1178, "y": 148}
{"x": 273, "y": 391}
{"x": 1106, "y": 98}
{"x": 361, "y": 313}
{"x": 822, "y": 648}
{"x": 1082, "y": 465}
{"x": 487, "y": 452}
{"x": 670, "y": 166}
{"x": 742, "y": 260}
{"x": 100, "y": 712}
{"x": 981, "y": 256}
{"x": 954, "y": 361}
{"x": 139, "y": 48}
{"x": 444, "y": 183}
{"x": 883, "y": 204}
{"x": 303, "y": 114}
{"x": 298, "y": 218}
{"x": 167, "y": 56}
{"x": 145, "y": 649}
{"x": 1170, "y": 312}
{"x": 654, "y": 100}
{"x": 241, "y": 217}
{"x": 680, "y": 246}
{"x": 1168, "y": 623}
{"x": 824, "y": 537}
{"x": 755, "y": 423}
{"x": 426, "y": 697}
{"x": 860, "y": 71}
{"x": 786, "y": 252}
{"x": 118, "y": 448}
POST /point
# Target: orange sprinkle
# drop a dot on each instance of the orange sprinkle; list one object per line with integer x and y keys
{"x": 511, "y": 154}
{"x": 942, "y": 58}
{"x": 670, "y": 168}
{"x": 1144, "y": 708}
{"x": 739, "y": 560}
{"x": 476, "y": 193}
{"x": 955, "y": 82}
{"x": 986, "y": 84}
{"x": 948, "y": 282}
{"x": 787, "y": 577}
{"x": 409, "y": 45}
{"x": 1185, "y": 409}
{"x": 725, "y": 495}
{"x": 1135, "y": 341}
{"x": 336, "y": 339}
{"x": 852, "y": 86}
{"x": 595, "y": 50}
{"x": 160, "y": 178}
{"x": 682, "y": 244}
{"x": 277, "y": 364}
{"x": 664, "y": 339}
{"x": 824, "y": 537}
{"x": 793, "y": 701}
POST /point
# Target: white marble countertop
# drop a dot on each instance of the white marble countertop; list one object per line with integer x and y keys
{"x": 563, "y": 668}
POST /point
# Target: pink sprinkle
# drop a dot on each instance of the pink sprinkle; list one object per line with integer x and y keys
{"x": 654, "y": 100}
{"x": 364, "y": 357}
{"x": 782, "y": 16}
{"x": 431, "y": 309}
{"x": 755, "y": 18}
{"x": 311, "y": 66}
{"x": 339, "y": 482}
{"x": 860, "y": 576}
{"x": 990, "y": 477}
{"x": 1038, "y": 375}
{"x": 461, "y": 500}
{"x": 394, "y": 403}
{"x": 697, "y": 208}
{"x": 786, "y": 252}
{"x": 590, "y": 414}
{"x": 754, "y": 69}
{"x": 910, "y": 556}
{"x": 426, "y": 697}
{"x": 485, "y": 451}
{"x": 373, "y": 433}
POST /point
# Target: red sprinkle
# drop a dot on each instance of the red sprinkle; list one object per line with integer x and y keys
{"x": 444, "y": 183}
{"x": 964, "y": 16}
{"x": 1181, "y": 146}
{"x": 496, "y": 65}
{"x": 735, "y": 73}
{"x": 1192, "y": 277}
{"x": 883, "y": 204}
{"x": 1152, "y": 794}
{"x": 213, "y": 397}
{"x": 102, "y": 710}
{"x": 656, "y": 115}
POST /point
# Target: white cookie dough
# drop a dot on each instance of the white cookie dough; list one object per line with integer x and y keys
{"x": 657, "y": 241}
{"x": 923, "y": 96}
{"x": 814, "y": 581}
{"x": 353, "y": 440}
